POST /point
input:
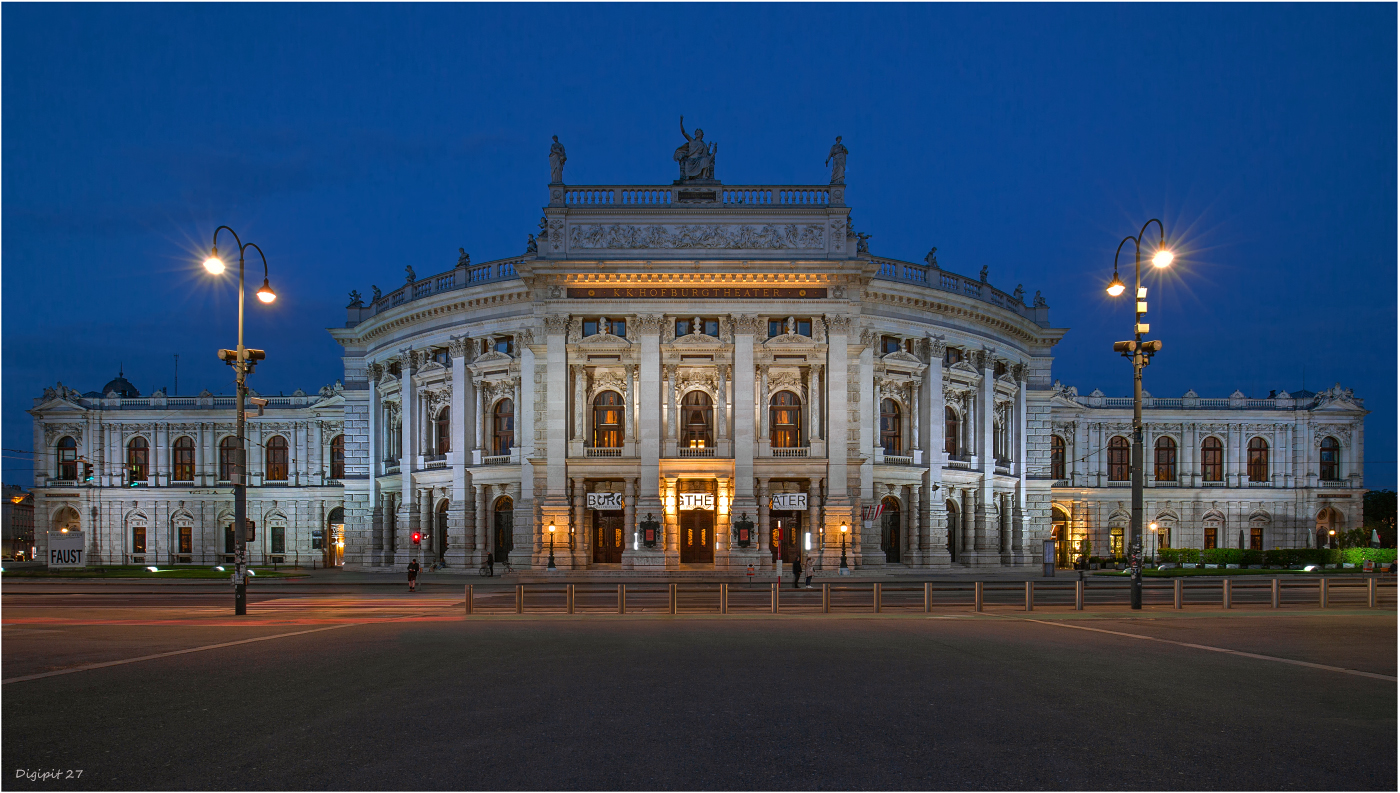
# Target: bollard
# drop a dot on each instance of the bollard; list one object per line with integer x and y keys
{"x": 773, "y": 589}
{"x": 876, "y": 587}
{"x": 1370, "y": 593}
{"x": 673, "y": 598}
{"x": 1273, "y": 593}
{"x": 1030, "y": 596}
{"x": 928, "y": 596}
{"x": 621, "y": 598}
{"x": 1225, "y": 592}
{"x": 1079, "y": 595}
{"x": 1176, "y": 593}
{"x": 469, "y": 600}
{"x": 826, "y": 598}
{"x": 1322, "y": 593}
{"x": 724, "y": 598}
{"x": 569, "y": 598}
{"x": 519, "y": 598}
{"x": 977, "y": 595}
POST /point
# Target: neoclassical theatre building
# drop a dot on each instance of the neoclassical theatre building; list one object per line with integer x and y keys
{"x": 690, "y": 376}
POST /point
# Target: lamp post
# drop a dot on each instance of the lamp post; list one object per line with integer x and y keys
{"x": 844, "y": 569}
{"x": 242, "y": 360}
{"x": 1152, "y": 527}
{"x": 551, "y": 546}
{"x": 1139, "y": 352}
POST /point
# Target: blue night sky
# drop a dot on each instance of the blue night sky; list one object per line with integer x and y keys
{"x": 351, "y": 141}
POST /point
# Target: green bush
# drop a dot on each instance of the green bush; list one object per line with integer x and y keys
{"x": 1172, "y": 555}
{"x": 1222, "y": 556}
{"x": 1358, "y": 555}
{"x": 1251, "y": 557}
{"x": 1189, "y": 555}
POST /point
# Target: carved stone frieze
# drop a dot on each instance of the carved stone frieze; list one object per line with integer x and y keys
{"x": 838, "y": 324}
{"x": 711, "y": 236}
{"x": 648, "y": 323}
{"x": 1342, "y": 434}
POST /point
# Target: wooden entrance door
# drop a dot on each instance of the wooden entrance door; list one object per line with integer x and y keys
{"x": 889, "y": 531}
{"x": 697, "y": 536}
{"x": 784, "y": 538}
{"x": 607, "y": 536}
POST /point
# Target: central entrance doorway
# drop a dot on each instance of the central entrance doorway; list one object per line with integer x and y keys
{"x": 889, "y": 529}
{"x": 607, "y": 536}
{"x": 785, "y": 533}
{"x": 697, "y": 536}
{"x": 504, "y": 534}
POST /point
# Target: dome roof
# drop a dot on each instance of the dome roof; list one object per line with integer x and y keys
{"x": 122, "y": 386}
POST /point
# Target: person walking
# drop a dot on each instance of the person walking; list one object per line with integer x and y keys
{"x": 490, "y": 565}
{"x": 796, "y": 571}
{"x": 413, "y": 568}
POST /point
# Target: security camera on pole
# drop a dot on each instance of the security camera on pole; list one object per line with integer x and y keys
{"x": 242, "y": 360}
{"x": 1140, "y": 353}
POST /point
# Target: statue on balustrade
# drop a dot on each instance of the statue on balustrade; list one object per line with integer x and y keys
{"x": 932, "y": 257}
{"x": 837, "y": 159}
{"x": 409, "y": 271}
{"x": 556, "y": 162}
{"x": 531, "y": 246}
{"x": 375, "y": 294}
{"x": 464, "y": 259}
{"x": 697, "y": 158}
{"x": 1020, "y": 294}
{"x": 355, "y": 299}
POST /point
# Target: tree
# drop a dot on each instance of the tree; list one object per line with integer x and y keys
{"x": 1378, "y": 510}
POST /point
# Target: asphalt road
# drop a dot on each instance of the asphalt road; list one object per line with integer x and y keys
{"x": 400, "y": 692}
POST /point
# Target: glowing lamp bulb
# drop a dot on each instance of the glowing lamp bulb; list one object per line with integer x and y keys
{"x": 1163, "y": 258}
{"x": 265, "y": 294}
{"x": 1116, "y": 287}
{"x": 214, "y": 265}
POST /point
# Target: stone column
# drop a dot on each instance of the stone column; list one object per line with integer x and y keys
{"x": 814, "y": 514}
{"x": 915, "y": 529}
{"x": 814, "y": 390}
{"x": 629, "y": 516}
{"x": 838, "y": 501}
{"x": 672, "y": 421}
{"x": 648, "y": 439}
{"x": 744, "y": 329}
{"x": 764, "y": 433}
{"x": 579, "y": 397}
{"x": 672, "y": 532}
{"x": 721, "y": 411}
{"x": 581, "y": 555}
{"x": 966, "y": 525}
{"x": 555, "y": 505}
{"x": 461, "y": 546}
{"x": 986, "y": 428}
{"x": 408, "y": 518}
{"x": 428, "y": 546}
{"x": 765, "y": 545}
{"x": 483, "y": 539}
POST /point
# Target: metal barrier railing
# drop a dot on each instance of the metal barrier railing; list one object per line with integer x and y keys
{"x": 881, "y": 597}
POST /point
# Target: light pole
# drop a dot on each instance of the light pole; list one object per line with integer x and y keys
{"x": 242, "y": 360}
{"x": 1152, "y": 527}
{"x": 1139, "y": 352}
{"x": 551, "y": 546}
{"x": 844, "y": 569}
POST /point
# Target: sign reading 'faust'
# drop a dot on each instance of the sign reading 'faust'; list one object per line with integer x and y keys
{"x": 789, "y": 501}
{"x": 66, "y": 549}
{"x": 605, "y": 501}
{"x": 697, "y": 501}
{"x": 690, "y": 292}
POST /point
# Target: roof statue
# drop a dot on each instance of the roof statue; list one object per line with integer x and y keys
{"x": 837, "y": 159}
{"x": 697, "y": 158}
{"x": 464, "y": 259}
{"x": 355, "y": 299}
{"x": 556, "y": 162}
{"x": 530, "y": 245}
{"x": 932, "y": 258}
{"x": 409, "y": 272}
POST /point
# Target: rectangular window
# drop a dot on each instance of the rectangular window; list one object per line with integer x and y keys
{"x": 1256, "y": 538}
{"x": 1115, "y": 542}
{"x": 951, "y": 355}
{"x": 889, "y": 344}
{"x": 804, "y": 327}
{"x": 138, "y": 539}
{"x": 590, "y": 327}
{"x": 775, "y": 328}
{"x": 186, "y": 539}
{"x": 279, "y": 539}
{"x": 505, "y": 344}
{"x": 1210, "y": 537}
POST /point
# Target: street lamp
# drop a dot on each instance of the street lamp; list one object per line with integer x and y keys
{"x": 1139, "y": 352}
{"x": 551, "y": 545}
{"x": 1331, "y": 538}
{"x": 242, "y": 360}
{"x": 844, "y": 569}
{"x": 1152, "y": 527}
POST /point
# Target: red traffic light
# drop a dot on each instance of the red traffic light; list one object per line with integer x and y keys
{"x": 417, "y": 537}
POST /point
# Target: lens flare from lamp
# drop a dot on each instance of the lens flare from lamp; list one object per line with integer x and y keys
{"x": 1163, "y": 258}
{"x": 265, "y": 294}
{"x": 214, "y": 265}
{"x": 1115, "y": 287}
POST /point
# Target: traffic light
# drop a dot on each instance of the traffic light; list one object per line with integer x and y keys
{"x": 252, "y": 357}
{"x": 417, "y": 537}
{"x": 87, "y": 471}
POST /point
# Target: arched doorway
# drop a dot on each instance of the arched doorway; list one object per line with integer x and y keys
{"x": 889, "y": 528}
{"x": 440, "y": 530}
{"x": 1329, "y": 520}
{"x": 504, "y": 535}
{"x": 1059, "y": 531}
{"x": 954, "y": 526}
{"x": 334, "y": 545}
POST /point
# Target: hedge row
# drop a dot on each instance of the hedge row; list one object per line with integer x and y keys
{"x": 1283, "y": 557}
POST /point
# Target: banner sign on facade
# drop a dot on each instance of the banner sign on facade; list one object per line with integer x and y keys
{"x": 692, "y": 292}
{"x": 697, "y": 500}
{"x": 789, "y": 501}
{"x": 605, "y": 501}
{"x": 67, "y": 549}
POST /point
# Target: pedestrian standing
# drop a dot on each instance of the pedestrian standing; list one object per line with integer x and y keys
{"x": 490, "y": 564}
{"x": 808, "y": 566}
{"x": 413, "y": 568}
{"x": 796, "y": 571}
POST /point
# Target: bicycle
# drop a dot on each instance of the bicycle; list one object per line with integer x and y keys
{"x": 487, "y": 570}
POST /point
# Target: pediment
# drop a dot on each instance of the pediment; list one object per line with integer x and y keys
{"x": 901, "y": 356}
{"x": 494, "y": 356}
{"x": 58, "y": 406}
{"x": 603, "y": 340}
{"x": 789, "y": 338}
{"x": 698, "y": 340}
{"x": 964, "y": 367}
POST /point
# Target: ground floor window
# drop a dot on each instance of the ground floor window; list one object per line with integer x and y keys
{"x": 279, "y": 539}
{"x": 1210, "y": 542}
{"x": 138, "y": 539}
{"x": 1115, "y": 542}
{"x": 1256, "y": 538}
{"x": 186, "y": 539}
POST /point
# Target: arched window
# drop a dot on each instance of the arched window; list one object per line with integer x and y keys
{"x": 228, "y": 458}
{"x": 138, "y": 458}
{"x": 183, "y": 468}
{"x": 67, "y": 458}
{"x": 1164, "y": 455}
{"x": 276, "y": 459}
{"x": 890, "y": 435}
{"x": 608, "y": 422}
{"x": 504, "y": 532}
{"x": 1118, "y": 459}
{"x": 503, "y": 427}
{"x": 1212, "y": 460}
{"x": 1331, "y": 459}
{"x": 697, "y": 413}
{"x": 1057, "y": 457}
{"x": 338, "y": 457}
{"x": 950, "y": 431}
{"x": 890, "y": 529}
{"x": 785, "y": 421}
{"x": 443, "y": 427}
{"x": 1258, "y": 460}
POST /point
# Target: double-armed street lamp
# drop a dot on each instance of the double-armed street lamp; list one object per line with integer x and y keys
{"x": 242, "y": 360}
{"x": 1139, "y": 352}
